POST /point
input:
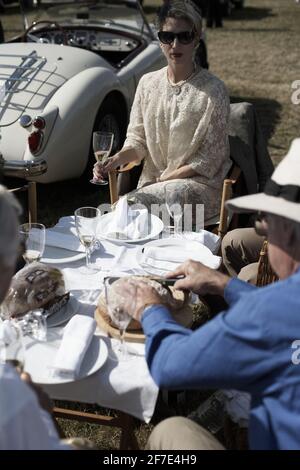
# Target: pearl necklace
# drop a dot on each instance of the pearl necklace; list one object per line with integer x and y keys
{"x": 176, "y": 87}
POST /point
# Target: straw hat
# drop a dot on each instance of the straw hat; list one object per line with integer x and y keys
{"x": 281, "y": 195}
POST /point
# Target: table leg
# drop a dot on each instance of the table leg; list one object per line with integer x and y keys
{"x": 123, "y": 421}
{"x": 128, "y": 439}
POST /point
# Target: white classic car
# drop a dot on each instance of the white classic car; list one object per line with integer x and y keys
{"x": 74, "y": 70}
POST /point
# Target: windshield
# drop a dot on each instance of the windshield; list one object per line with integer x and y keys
{"x": 126, "y": 14}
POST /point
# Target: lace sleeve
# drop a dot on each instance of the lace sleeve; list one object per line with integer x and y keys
{"x": 213, "y": 152}
{"x": 135, "y": 137}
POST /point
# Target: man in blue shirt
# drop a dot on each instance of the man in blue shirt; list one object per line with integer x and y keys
{"x": 254, "y": 346}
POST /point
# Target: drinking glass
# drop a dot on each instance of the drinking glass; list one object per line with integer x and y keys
{"x": 102, "y": 145}
{"x": 86, "y": 221}
{"x": 175, "y": 199}
{"x": 33, "y": 235}
{"x": 34, "y": 324}
{"x": 121, "y": 317}
{"x": 12, "y": 349}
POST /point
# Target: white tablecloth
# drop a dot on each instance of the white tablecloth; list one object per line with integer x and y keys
{"x": 126, "y": 386}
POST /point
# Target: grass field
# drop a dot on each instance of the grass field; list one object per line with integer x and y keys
{"x": 256, "y": 54}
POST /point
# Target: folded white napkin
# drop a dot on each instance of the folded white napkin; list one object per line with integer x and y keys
{"x": 77, "y": 337}
{"x": 167, "y": 259}
{"x": 209, "y": 239}
{"x": 126, "y": 223}
{"x": 62, "y": 240}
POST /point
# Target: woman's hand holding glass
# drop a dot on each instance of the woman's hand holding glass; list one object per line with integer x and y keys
{"x": 101, "y": 170}
{"x": 102, "y": 146}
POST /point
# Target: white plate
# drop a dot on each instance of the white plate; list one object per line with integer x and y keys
{"x": 55, "y": 255}
{"x": 202, "y": 253}
{"x": 157, "y": 226}
{"x": 64, "y": 314}
{"x": 40, "y": 356}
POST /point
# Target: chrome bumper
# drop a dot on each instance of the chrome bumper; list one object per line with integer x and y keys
{"x": 22, "y": 169}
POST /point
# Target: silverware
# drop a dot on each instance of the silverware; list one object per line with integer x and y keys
{"x": 163, "y": 281}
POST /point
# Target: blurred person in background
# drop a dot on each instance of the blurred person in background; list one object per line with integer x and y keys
{"x": 25, "y": 410}
{"x": 214, "y": 14}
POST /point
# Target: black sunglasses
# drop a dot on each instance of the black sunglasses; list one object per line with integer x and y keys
{"x": 184, "y": 37}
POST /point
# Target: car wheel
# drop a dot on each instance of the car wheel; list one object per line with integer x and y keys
{"x": 109, "y": 119}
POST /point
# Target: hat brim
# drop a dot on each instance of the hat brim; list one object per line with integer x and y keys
{"x": 261, "y": 202}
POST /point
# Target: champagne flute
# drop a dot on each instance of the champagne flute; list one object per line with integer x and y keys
{"x": 174, "y": 199}
{"x": 102, "y": 146}
{"x": 86, "y": 221}
{"x": 33, "y": 235}
{"x": 121, "y": 317}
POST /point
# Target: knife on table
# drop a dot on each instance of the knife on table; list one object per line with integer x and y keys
{"x": 161, "y": 280}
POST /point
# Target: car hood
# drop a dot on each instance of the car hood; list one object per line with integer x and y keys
{"x": 113, "y": 14}
{"x": 31, "y": 73}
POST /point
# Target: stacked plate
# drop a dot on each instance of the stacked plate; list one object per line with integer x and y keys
{"x": 161, "y": 256}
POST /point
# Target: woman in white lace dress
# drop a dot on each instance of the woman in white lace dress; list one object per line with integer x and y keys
{"x": 179, "y": 119}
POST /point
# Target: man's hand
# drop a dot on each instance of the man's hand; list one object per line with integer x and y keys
{"x": 143, "y": 294}
{"x": 199, "y": 278}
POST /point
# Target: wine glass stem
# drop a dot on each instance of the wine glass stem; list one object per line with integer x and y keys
{"x": 88, "y": 257}
{"x": 122, "y": 342}
{"x": 177, "y": 224}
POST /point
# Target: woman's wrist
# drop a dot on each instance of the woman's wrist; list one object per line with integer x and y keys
{"x": 165, "y": 178}
{"x": 117, "y": 159}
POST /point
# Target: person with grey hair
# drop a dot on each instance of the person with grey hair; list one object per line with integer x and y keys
{"x": 253, "y": 346}
{"x": 179, "y": 120}
{"x": 25, "y": 422}
{"x": 9, "y": 240}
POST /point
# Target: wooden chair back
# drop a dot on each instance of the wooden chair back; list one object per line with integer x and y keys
{"x": 221, "y": 223}
{"x": 30, "y": 187}
{"x": 113, "y": 181}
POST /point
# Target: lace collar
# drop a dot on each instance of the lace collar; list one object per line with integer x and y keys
{"x": 176, "y": 87}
